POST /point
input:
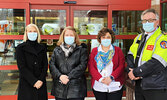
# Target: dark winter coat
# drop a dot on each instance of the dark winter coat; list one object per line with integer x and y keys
{"x": 33, "y": 64}
{"x": 74, "y": 67}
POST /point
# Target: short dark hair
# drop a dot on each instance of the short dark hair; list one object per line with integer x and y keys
{"x": 103, "y": 32}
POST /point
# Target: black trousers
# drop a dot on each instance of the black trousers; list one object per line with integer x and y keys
{"x": 116, "y": 95}
{"x": 151, "y": 94}
{"x": 69, "y": 99}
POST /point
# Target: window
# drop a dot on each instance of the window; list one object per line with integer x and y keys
{"x": 12, "y": 21}
{"x": 49, "y": 22}
{"x": 164, "y": 17}
{"x": 126, "y": 23}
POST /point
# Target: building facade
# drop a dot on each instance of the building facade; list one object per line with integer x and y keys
{"x": 51, "y": 16}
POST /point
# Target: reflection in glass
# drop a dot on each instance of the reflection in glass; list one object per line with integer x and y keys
{"x": 7, "y": 51}
{"x": 89, "y": 21}
{"x": 164, "y": 17}
{"x": 50, "y": 22}
{"x": 9, "y": 80}
{"x": 12, "y": 21}
{"x": 124, "y": 45}
{"x": 126, "y": 22}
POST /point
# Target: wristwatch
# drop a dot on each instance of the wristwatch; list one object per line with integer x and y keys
{"x": 112, "y": 78}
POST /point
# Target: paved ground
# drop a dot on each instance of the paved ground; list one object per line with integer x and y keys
{"x": 92, "y": 98}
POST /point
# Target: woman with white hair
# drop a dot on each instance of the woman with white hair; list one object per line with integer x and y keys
{"x": 32, "y": 64}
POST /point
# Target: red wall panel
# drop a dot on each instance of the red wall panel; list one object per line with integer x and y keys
{"x": 133, "y": 3}
{"x": 79, "y": 2}
{"x": 130, "y": 4}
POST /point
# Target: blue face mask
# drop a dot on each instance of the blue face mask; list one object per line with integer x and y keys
{"x": 32, "y": 36}
{"x": 106, "y": 42}
{"x": 69, "y": 40}
{"x": 148, "y": 27}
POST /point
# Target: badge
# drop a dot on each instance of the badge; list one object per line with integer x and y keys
{"x": 150, "y": 47}
{"x": 163, "y": 44}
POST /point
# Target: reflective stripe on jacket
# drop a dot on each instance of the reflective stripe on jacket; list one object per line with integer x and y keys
{"x": 154, "y": 61}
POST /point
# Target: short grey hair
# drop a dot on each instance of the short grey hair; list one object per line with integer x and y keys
{"x": 150, "y": 10}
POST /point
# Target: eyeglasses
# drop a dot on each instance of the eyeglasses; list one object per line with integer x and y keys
{"x": 149, "y": 20}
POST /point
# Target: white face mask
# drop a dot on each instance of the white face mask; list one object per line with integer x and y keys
{"x": 148, "y": 27}
{"x": 32, "y": 36}
{"x": 69, "y": 40}
{"x": 106, "y": 42}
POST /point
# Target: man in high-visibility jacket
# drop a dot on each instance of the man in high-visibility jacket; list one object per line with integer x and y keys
{"x": 147, "y": 60}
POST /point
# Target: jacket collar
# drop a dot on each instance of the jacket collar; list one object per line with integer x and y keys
{"x": 28, "y": 48}
{"x": 76, "y": 48}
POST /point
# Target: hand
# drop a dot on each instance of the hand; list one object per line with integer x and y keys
{"x": 38, "y": 84}
{"x": 136, "y": 78}
{"x": 64, "y": 79}
{"x": 107, "y": 80}
{"x": 131, "y": 75}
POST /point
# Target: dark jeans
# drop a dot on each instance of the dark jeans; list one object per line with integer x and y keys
{"x": 70, "y": 99}
{"x": 116, "y": 95}
{"x": 151, "y": 94}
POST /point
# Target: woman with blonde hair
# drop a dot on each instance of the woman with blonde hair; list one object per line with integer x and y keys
{"x": 32, "y": 64}
{"x": 67, "y": 66}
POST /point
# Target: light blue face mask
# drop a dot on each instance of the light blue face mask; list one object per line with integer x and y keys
{"x": 106, "y": 42}
{"x": 69, "y": 40}
{"x": 148, "y": 27}
{"x": 32, "y": 36}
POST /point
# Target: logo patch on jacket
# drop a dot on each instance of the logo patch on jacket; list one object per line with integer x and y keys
{"x": 150, "y": 47}
{"x": 163, "y": 44}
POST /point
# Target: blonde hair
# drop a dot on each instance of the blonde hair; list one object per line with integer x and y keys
{"x": 25, "y": 38}
{"x": 61, "y": 38}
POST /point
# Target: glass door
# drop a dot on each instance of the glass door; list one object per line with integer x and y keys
{"x": 88, "y": 20}
{"x": 51, "y": 20}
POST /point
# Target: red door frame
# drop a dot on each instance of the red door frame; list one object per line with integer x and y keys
{"x": 22, "y": 5}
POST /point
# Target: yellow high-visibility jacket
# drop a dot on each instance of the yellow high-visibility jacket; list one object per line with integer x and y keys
{"x": 153, "y": 61}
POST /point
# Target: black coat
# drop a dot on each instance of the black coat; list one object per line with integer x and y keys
{"x": 74, "y": 67}
{"x": 33, "y": 64}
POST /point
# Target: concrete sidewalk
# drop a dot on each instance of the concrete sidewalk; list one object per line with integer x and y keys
{"x": 93, "y": 98}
